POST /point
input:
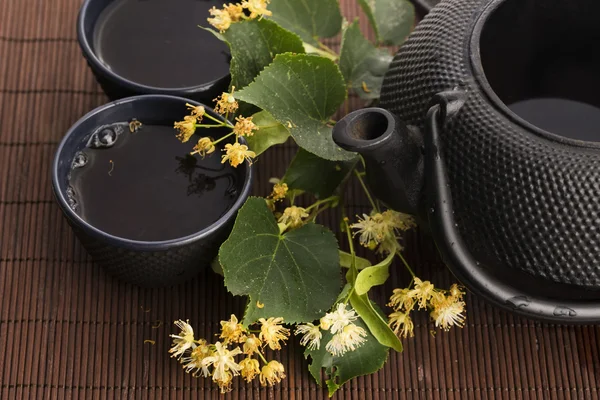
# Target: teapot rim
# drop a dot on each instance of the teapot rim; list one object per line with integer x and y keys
{"x": 480, "y": 77}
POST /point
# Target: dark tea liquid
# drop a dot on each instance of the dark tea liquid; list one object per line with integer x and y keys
{"x": 145, "y": 186}
{"x": 158, "y": 42}
{"x": 568, "y": 118}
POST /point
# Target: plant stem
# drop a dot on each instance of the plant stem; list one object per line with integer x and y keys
{"x": 262, "y": 358}
{"x": 353, "y": 271}
{"x": 350, "y": 243}
{"x": 209, "y": 126}
{"x": 406, "y": 263}
{"x": 362, "y": 183}
{"x": 223, "y": 138}
{"x": 327, "y": 49}
{"x": 318, "y": 203}
{"x": 226, "y": 123}
{"x": 309, "y": 48}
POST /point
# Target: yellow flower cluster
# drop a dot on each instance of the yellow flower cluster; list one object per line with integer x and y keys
{"x": 187, "y": 127}
{"x": 279, "y": 192}
{"x": 231, "y": 13}
{"x": 226, "y": 103}
{"x": 446, "y": 307}
{"x": 244, "y": 126}
{"x": 380, "y": 231}
{"x": 204, "y": 146}
{"x": 218, "y": 361}
{"x": 293, "y": 216}
{"x": 347, "y": 336}
{"x": 235, "y": 153}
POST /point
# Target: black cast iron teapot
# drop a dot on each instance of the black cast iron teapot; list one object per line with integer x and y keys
{"x": 489, "y": 132}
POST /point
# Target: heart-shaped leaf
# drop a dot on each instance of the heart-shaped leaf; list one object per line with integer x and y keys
{"x": 392, "y": 20}
{"x": 310, "y": 19}
{"x": 295, "y": 275}
{"x": 270, "y": 133}
{"x": 316, "y": 175}
{"x": 365, "y": 360}
{"x": 253, "y": 46}
{"x": 302, "y": 92}
{"x": 362, "y": 64}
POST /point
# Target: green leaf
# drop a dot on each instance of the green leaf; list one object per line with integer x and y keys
{"x": 215, "y": 265}
{"x": 365, "y": 360}
{"x": 364, "y": 4}
{"x": 373, "y": 276}
{"x": 344, "y": 293}
{"x": 253, "y": 46}
{"x": 270, "y": 133}
{"x": 392, "y": 20}
{"x": 316, "y": 175}
{"x": 375, "y": 321}
{"x": 372, "y": 317}
{"x": 310, "y": 19}
{"x": 302, "y": 92}
{"x": 295, "y": 275}
{"x": 346, "y": 261}
{"x": 362, "y": 64}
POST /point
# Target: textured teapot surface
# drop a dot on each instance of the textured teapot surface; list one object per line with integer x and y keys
{"x": 524, "y": 198}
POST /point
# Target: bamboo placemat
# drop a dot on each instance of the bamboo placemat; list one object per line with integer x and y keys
{"x": 69, "y": 331}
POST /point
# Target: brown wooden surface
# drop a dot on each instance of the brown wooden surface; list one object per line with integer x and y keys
{"x": 69, "y": 331}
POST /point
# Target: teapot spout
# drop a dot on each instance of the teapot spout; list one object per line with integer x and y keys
{"x": 393, "y": 154}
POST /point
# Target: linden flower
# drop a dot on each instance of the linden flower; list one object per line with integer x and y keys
{"x": 235, "y": 11}
{"x": 423, "y": 292}
{"x": 389, "y": 245}
{"x": 231, "y": 330}
{"x": 244, "y": 126}
{"x": 272, "y": 373}
{"x": 221, "y": 19}
{"x": 312, "y": 336}
{"x": 197, "y": 111}
{"x": 224, "y": 382}
{"x": 251, "y": 345}
{"x": 194, "y": 361}
{"x": 391, "y": 220}
{"x": 236, "y": 154}
{"x": 257, "y": 7}
{"x": 279, "y": 191}
{"x": 292, "y": 216}
{"x": 401, "y": 324}
{"x": 183, "y": 341}
{"x": 336, "y": 345}
{"x": 402, "y": 299}
{"x": 250, "y": 368}
{"x": 349, "y": 338}
{"x": 325, "y": 323}
{"x": 448, "y": 312}
{"x": 205, "y": 146}
{"x": 226, "y": 103}
{"x": 369, "y": 230}
{"x": 271, "y": 332}
{"x": 339, "y": 318}
{"x": 186, "y": 128}
{"x": 224, "y": 364}
{"x": 354, "y": 336}
{"x": 456, "y": 292}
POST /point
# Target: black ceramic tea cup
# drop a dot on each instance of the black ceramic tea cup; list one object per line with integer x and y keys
{"x": 151, "y": 66}
{"x": 144, "y": 263}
